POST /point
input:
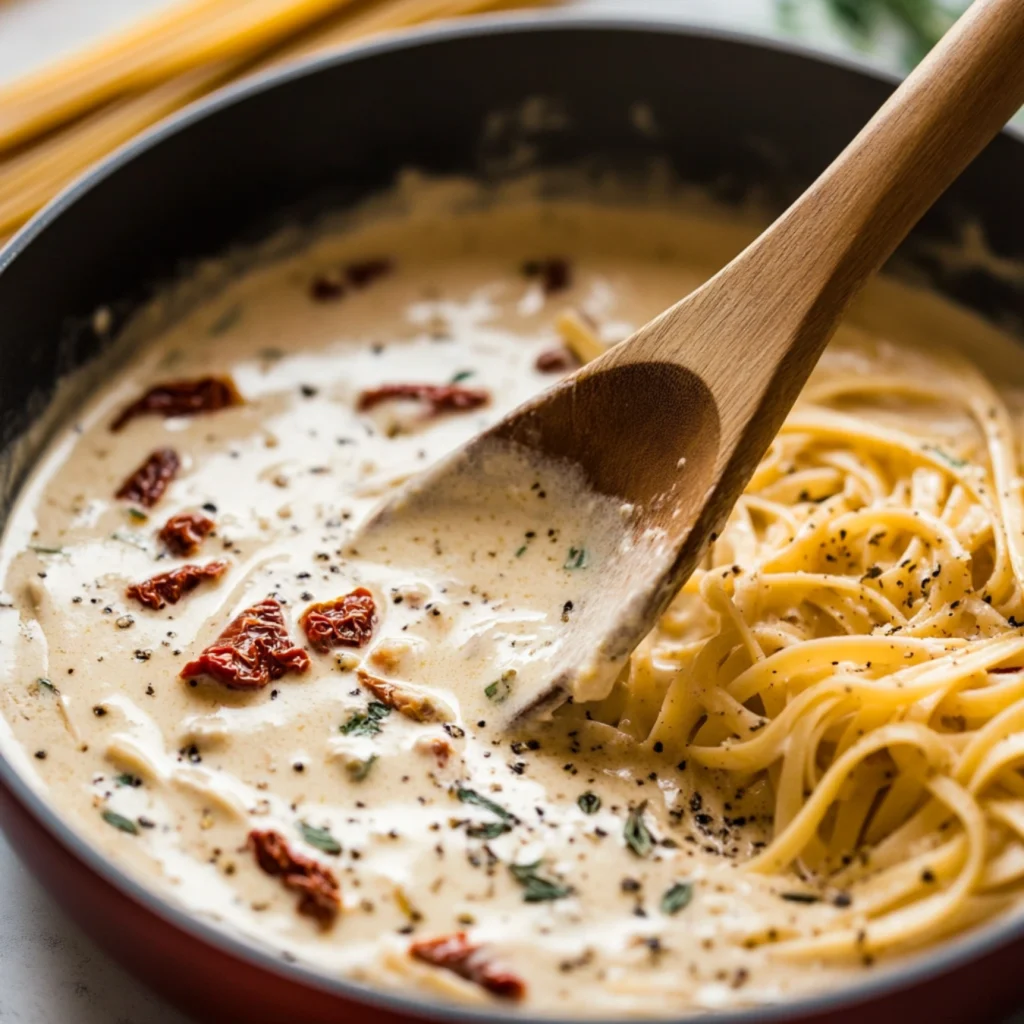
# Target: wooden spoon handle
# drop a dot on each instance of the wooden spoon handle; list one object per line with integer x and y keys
{"x": 811, "y": 262}
{"x": 932, "y": 127}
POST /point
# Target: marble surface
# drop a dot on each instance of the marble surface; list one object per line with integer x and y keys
{"x": 50, "y": 973}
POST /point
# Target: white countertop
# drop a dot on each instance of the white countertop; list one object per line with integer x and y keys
{"x": 49, "y": 972}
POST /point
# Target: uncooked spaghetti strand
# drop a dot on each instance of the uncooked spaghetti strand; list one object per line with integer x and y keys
{"x": 31, "y": 179}
{"x": 206, "y": 31}
{"x": 28, "y": 180}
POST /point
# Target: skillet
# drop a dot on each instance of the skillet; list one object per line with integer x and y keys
{"x": 741, "y": 118}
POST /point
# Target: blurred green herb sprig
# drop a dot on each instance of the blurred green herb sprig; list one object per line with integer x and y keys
{"x": 919, "y": 23}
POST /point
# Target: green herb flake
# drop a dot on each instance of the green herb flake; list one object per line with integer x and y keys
{"x": 127, "y": 779}
{"x": 488, "y": 830}
{"x": 138, "y": 515}
{"x": 130, "y": 538}
{"x": 536, "y": 888}
{"x": 462, "y": 375}
{"x": 589, "y": 803}
{"x": 119, "y": 821}
{"x": 521, "y": 552}
{"x": 501, "y": 689}
{"x": 577, "y": 559}
{"x": 321, "y": 838}
{"x": 366, "y": 723}
{"x": 45, "y": 684}
{"x": 471, "y": 796}
{"x": 173, "y": 358}
{"x": 950, "y": 460}
{"x": 635, "y": 832}
{"x": 42, "y": 549}
{"x": 225, "y": 321}
{"x": 676, "y": 897}
{"x": 358, "y": 770}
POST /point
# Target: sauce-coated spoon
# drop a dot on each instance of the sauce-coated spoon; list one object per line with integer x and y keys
{"x": 674, "y": 420}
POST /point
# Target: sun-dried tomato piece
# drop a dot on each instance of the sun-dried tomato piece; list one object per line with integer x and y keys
{"x": 554, "y": 273}
{"x": 557, "y": 360}
{"x": 318, "y": 889}
{"x": 457, "y": 954}
{"x": 333, "y": 284}
{"x": 169, "y": 587}
{"x": 185, "y": 532}
{"x": 411, "y": 703}
{"x": 344, "y": 622}
{"x": 364, "y": 272}
{"x": 253, "y": 649}
{"x": 438, "y": 397}
{"x": 147, "y": 484}
{"x": 326, "y": 287}
{"x": 182, "y": 398}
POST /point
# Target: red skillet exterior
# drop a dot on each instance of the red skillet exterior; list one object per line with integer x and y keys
{"x": 132, "y": 219}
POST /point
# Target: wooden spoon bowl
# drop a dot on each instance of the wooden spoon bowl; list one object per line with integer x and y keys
{"x": 657, "y": 455}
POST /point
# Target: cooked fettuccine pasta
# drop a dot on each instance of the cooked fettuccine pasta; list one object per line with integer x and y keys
{"x": 854, "y": 639}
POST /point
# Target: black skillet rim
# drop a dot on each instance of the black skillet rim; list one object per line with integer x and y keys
{"x": 950, "y": 955}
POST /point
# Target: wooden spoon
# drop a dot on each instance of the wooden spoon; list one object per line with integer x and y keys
{"x": 675, "y": 419}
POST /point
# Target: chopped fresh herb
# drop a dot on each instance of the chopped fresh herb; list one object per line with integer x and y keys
{"x": 635, "y": 832}
{"x": 589, "y": 803}
{"x": 127, "y": 779}
{"x": 358, "y": 770}
{"x": 45, "y": 684}
{"x": 321, "y": 838}
{"x": 119, "y": 821}
{"x": 501, "y": 689}
{"x": 537, "y": 889}
{"x": 950, "y": 460}
{"x": 368, "y": 723}
{"x": 130, "y": 538}
{"x": 462, "y": 375}
{"x": 488, "y": 830}
{"x": 676, "y": 897}
{"x": 577, "y": 559}
{"x": 225, "y": 321}
{"x": 40, "y": 549}
{"x": 521, "y": 551}
{"x": 138, "y": 515}
{"x": 471, "y": 796}
{"x": 800, "y": 897}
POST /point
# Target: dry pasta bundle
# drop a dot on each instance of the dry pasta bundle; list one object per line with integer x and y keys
{"x": 57, "y": 122}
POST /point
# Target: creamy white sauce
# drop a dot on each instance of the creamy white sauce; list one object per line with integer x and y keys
{"x": 288, "y": 477}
